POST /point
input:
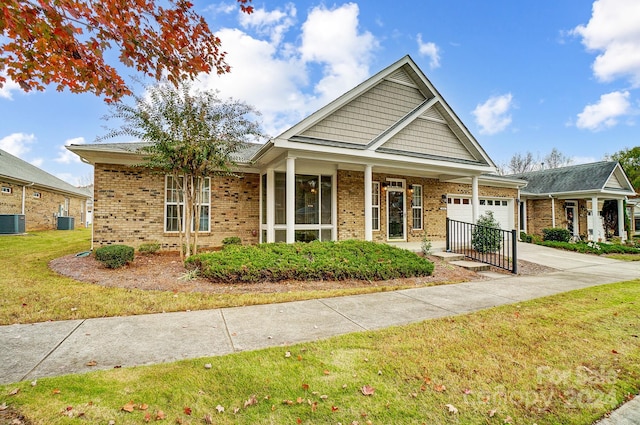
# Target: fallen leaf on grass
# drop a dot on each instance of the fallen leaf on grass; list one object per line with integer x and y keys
{"x": 147, "y": 417}
{"x": 614, "y": 352}
{"x": 129, "y": 407}
{"x": 220, "y": 409}
{"x": 326, "y": 372}
{"x": 14, "y": 391}
{"x": 187, "y": 410}
{"x": 492, "y": 413}
{"x": 208, "y": 419}
{"x": 466, "y": 391}
{"x": 56, "y": 391}
{"x": 368, "y": 390}
{"x": 440, "y": 388}
{"x": 160, "y": 415}
{"x": 92, "y": 363}
{"x": 305, "y": 387}
{"x": 334, "y": 408}
{"x": 3, "y": 406}
{"x": 251, "y": 401}
{"x": 452, "y": 408}
{"x": 143, "y": 406}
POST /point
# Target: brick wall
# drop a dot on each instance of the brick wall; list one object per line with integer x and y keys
{"x": 351, "y": 205}
{"x": 539, "y": 215}
{"x": 40, "y": 213}
{"x": 129, "y": 208}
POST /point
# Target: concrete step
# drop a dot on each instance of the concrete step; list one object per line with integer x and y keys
{"x": 448, "y": 256}
{"x": 471, "y": 265}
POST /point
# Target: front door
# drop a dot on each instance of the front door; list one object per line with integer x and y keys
{"x": 396, "y": 214}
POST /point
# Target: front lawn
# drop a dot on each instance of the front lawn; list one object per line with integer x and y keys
{"x": 30, "y": 292}
{"x": 566, "y": 359}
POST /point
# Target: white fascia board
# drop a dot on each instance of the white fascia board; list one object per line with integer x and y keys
{"x": 620, "y": 172}
{"x": 610, "y": 194}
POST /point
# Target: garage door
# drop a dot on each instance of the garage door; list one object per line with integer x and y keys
{"x": 459, "y": 208}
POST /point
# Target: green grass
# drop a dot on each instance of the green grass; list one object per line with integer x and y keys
{"x": 30, "y": 292}
{"x": 343, "y": 260}
{"x": 566, "y": 359}
{"x": 625, "y": 257}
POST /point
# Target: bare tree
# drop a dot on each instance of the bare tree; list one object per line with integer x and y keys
{"x": 556, "y": 159}
{"x": 521, "y": 163}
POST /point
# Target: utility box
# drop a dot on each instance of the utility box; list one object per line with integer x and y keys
{"x": 12, "y": 224}
{"x": 65, "y": 223}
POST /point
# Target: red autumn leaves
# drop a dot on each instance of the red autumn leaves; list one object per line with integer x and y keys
{"x": 64, "y": 42}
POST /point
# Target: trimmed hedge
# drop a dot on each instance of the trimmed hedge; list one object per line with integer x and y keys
{"x": 114, "y": 256}
{"x": 556, "y": 234}
{"x": 310, "y": 261}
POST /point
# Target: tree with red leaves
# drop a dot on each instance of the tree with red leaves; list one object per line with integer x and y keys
{"x": 63, "y": 42}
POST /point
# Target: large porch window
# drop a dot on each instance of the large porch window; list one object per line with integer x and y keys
{"x": 174, "y": 200}
{"x": 313, "y": 207}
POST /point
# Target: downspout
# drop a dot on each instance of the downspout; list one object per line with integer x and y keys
{"x": 24, "y": 195}
{"x": 553, "y": 211}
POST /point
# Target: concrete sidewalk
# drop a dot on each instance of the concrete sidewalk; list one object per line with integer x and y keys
{"x": 55, "y": 348}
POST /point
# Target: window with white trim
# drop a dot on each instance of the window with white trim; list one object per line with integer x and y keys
{"x": 416, "y": 206}
{"x": 6, "y": 189}
{"x": 174, "y": 200}
{"x": 375, "y": 206}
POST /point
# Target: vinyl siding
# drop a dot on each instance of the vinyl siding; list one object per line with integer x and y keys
{"x": 366, "y": 117}
{"x": 429, "y": 137}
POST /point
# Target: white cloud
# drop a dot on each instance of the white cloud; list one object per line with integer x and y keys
{"x": 431, "y": 50}
{"x": 273, "y": 74}
{"x": 577, "y": 160}
{"x": 65, "y": 156}
{"x": 17, "y": 144}
{"x": 493, "y": 115}
{"x": 331, "y": 37}
{"x": 613, "y": 31}
{"x": 8, "y": 87}
{"x": 606, "y": 112}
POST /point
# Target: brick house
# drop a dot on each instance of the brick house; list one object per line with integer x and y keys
{"x": 586, "y": 199}
{"x": 37, "y": 196}
{"x": 387, "y": 161}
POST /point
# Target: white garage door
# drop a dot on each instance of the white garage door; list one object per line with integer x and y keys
{"x": 459, "y": 208}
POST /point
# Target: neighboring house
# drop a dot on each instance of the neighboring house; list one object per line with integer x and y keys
{"x": 586, "y": 199}
{"x": 38, "y": 196}
{"x": 387, "y": 161}
{"x": 633, "y": 212}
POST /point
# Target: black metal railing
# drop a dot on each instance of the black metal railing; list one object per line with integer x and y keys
{"x": 488, "y": 245}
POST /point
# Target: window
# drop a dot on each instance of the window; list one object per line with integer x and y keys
{"x": 6, "y": 189}
{"x": 375, "y": 206}
{"x": 175, "y": 200}
{"x": 37, "y": 195}
{"x": 416, "y": 206}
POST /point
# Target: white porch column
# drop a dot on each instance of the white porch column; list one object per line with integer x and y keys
{"x": 553, "y": 212}
{"x": 595, "y": 219}
{"x": 621, "y": 220}
{"x": 368, "y": 225}
{"x": 475, "y": 199}
{"x": 291, "y": 200}
{"x": 271, "y": 205}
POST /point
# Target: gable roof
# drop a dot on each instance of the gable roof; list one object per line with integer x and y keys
{"x": 21, "y": 172}
{"x": 395, "y": 113}
{"x": 604, "y": 176}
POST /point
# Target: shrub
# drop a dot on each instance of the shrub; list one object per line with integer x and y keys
{"x": 114, "y": 256}
{"x": 524, "y": 237}
{"x": 149, "y": 248}
{"x": 310, "y": 261}
{"x": 231, "y": 240}
{"x": 486, "y": 235}
{"x": 426, "y": 246}
{"x": 592, "y": 247}
{"x": 556, "y": 234}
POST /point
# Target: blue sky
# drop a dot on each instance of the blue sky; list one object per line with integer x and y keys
{"x": 522, "y": 75}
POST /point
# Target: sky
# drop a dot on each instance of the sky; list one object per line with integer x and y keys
{"x": 523, "y": 76}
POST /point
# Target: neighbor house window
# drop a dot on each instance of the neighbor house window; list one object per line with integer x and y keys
{"x": 37, "y": 195}
{"x": 174, "y": 203}
{"x": 6, "y": 189}
{"x": 416, "y": 204}
{"x": 375, "y": 205}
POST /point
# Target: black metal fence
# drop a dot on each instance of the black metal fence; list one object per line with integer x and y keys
{"x": 485, "y": 244}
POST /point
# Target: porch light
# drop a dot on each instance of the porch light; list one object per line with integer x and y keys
{"x": 444, "y": 198}
{"x": 384, "y": 185}
{"x": 410, "y": 190}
